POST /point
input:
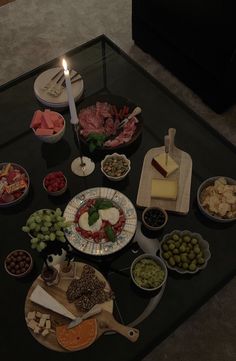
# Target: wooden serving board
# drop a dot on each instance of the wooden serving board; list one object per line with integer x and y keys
{"x": 183, "y": 175}
{"x": 59, "y": 293}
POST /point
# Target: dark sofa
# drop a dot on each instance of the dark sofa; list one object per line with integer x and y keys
{"x": 195, "y": 40}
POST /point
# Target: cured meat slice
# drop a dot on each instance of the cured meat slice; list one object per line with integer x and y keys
{"x": 125, "y": 136}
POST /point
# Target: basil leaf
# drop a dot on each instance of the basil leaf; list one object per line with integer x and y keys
{"x": 110, "y": 233}
{"x": 92, "y": 210}
{"x": 92, "y": 146}
{"x": 105, "y": 204}
{"x": 93, "y": 218}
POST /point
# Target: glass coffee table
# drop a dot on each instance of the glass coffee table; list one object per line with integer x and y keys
{"x": 106, "y": 70}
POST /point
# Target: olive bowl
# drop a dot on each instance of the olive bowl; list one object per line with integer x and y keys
{"x": 112, "y": 156}
{"x": 204, "y": 248}
{"x": 158, "y": 261}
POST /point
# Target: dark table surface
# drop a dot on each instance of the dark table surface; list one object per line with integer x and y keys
{"x": 107, "y": 70}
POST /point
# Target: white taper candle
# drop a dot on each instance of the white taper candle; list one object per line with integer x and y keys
{"x": 73, "y": 113}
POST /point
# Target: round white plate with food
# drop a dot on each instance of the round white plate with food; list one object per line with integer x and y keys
{"x": 103, "y": 221}
{"x": 48, "y": 83}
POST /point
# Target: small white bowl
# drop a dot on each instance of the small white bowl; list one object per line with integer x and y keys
{"x": 159, "y": 261}
{"x": 118, "y": 178}
{"x": 22, "y": 274}
{"x": 154, "y": 228}
{"x": 57, "y": 193}
{"x": 206, "y": 183}
{"x": 54, "y": 138}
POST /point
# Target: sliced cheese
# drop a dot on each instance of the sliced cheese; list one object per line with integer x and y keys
{"x": 83, "y": 223}
{"x": 111, "y": 215}
{"x": 164, "y": 189}
{"x": 42, "y": 298}
{"x": 159, "y": 162}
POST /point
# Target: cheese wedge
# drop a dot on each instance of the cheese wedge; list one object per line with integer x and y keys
{"x": 42, "y": 298}
{"x": 159, "y": 162}
{"x": 164, "y": 189}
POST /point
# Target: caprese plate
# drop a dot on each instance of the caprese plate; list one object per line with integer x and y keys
{"x": 103, "y": 221}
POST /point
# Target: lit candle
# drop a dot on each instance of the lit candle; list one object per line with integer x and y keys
{"x": 73, "y": 113}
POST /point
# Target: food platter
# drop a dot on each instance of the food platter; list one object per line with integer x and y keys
{"x": 50, "y": 100}
{"x": 119, "y": 103}
{"x": 59, "y": 293}
{"x": 102, "y": 248}
{"x": 182, "y": 176}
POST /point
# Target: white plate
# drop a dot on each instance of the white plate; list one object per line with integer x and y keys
{"x": 49, "y": 100}
{"x": 103, "y": 248}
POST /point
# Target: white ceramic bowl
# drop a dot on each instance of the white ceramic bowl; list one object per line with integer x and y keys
{"x": 57, "y": 193}
{"x": 206, "y": 183}
{"x": 118, "y": 178}
{"x": 18, "y": 200}
{"x": 159, "y": 261}
{"x": 203, "y": 244}
{"x": 147, "y": 225}
{"x": 55, "y": 137}
{"x": 22, "y": 274}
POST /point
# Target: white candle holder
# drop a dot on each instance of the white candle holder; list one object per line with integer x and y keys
{"x": 81, "y": 166}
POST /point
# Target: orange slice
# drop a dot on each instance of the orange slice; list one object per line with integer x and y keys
{"x": 78, "y": 337}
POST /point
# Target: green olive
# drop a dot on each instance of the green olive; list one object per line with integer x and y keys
{"x": 182, "y": 248}
{"x": 194, "y": 241}
{"x": 171, "y": 261}
{"x": 185, "y": 265}
{"x": 201, "y": 260}
{"x": 165, "y": 247}
{"x": 196, "y": 249}
{"x": 175, "y": 251}
{"x": 191, "y": 255}
{"x": 177, "y": 258}
{"x": 192, "y": 267}
{"x": 171, "y": 246}
{"x": 166, "y": 255}
{"x": 187, "y": 239}
{"x": 175, "y": 237}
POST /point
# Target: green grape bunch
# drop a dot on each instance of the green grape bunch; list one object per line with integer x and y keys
{"x": 44, "y": 226}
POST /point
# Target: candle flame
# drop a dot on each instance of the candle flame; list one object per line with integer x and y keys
{"x": 64, "y": 64}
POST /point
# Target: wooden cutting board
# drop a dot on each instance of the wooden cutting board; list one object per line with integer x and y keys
{"x": 59, "y": 293}
{"x": 86, "y": 333}
{"x": 183, "y": 175}
{"x": 106, "y": 322}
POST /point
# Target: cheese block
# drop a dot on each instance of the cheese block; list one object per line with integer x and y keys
{"x": 164, "y": 189}
{"x": 42, "y": 298}
{"x": 159, "y": 162}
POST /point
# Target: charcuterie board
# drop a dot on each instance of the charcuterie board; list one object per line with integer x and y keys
{"x": 182, "y": 175}
{"x": 58, "y": 292}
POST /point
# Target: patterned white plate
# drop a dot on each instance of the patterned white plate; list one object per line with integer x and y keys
{"x": 88, "y": 246}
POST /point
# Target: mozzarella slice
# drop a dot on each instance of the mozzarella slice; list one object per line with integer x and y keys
{"x": 111, "y": 215}
{"x": 83, "y": 223}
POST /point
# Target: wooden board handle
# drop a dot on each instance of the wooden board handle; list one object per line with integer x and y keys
{"x": 132, "y": 334}
{"x": 171, "y": 133}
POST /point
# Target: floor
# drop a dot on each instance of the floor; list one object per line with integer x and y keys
{"x": 34, "y": 32}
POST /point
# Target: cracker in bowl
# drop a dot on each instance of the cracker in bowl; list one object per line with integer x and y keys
{"x": 219, "y": 199}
